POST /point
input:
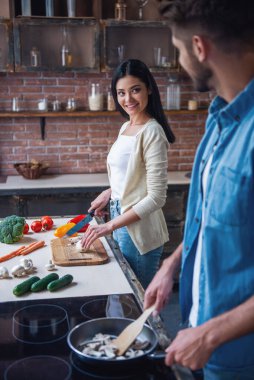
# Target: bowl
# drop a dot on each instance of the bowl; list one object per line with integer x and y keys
{"x": 31, "y": 170}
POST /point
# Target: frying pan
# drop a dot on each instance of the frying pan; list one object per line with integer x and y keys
{"x": 85, "y": 332}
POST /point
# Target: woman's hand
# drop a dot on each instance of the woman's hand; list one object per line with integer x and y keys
{"x": 99, "y": 203}
{"x": 94, "y": 232}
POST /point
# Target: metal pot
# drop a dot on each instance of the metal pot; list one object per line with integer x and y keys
{"x": 85, "y": 331}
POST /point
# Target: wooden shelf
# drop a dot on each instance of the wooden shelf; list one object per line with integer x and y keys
{"x": 43, "y": 115}
{"x": 87, "y": 113}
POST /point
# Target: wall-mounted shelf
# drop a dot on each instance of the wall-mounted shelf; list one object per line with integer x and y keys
{"x": 87, "y": 113}
{"x": 43, "y": 115}
{"x": 56, "y": 44}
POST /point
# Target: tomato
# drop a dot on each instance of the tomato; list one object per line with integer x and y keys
{"x": 36, "y": 226}
{"x": 26, "y": 229}
{"x": 47, "y": 223}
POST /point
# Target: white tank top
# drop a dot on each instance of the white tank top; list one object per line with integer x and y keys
{"x": 196, "y": 273}
{"x": 118, "y": 159}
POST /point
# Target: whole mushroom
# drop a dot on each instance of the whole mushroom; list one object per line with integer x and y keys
{"x": 4, "y": 273}
{"x": 18, "y": 271}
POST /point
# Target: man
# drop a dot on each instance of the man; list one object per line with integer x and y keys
{"x": 215, "y": 39}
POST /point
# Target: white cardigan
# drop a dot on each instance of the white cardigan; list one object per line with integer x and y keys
{"x": 146, "y": 187}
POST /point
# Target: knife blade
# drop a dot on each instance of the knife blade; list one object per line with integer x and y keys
{"x": 80, "y": 224}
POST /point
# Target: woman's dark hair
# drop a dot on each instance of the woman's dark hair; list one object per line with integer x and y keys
{"x": 138, "y": 69}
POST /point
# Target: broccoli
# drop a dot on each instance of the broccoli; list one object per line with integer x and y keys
{"x": 11, "y": 229}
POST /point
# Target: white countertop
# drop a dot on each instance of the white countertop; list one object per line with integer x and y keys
{"x": 75, "y": 181}
{"x": 101, "y": 279}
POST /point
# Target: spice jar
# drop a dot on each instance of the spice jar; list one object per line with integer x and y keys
{"x": 71, "y": 104}
{"x": 15, "y": 104}
{"x": 35, "y": 57}
{"x": 66, "y": 55}
{"x": 95, "y": 98}
{"x": 192, "y": 104}
{"x": 43, "y": 105}
{"x": 120, "y": 10}
{"x": 110, "y": 101}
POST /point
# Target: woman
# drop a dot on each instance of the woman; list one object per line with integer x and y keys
{"x": 137, "y": 169}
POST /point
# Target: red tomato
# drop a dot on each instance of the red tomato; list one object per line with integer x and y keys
{"x": 36, "y": 226}
{"x": 47, "y": 223}
{"x": 26, "y": 229}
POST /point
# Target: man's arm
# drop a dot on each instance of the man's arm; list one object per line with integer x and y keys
{"x": 160, "y": 288}
{"x": 192, "y": 347}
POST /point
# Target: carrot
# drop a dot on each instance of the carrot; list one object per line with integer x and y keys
{"x": 12, "y": 254}
{"x": 24, "y": 250}
{"x": 26, "y": 247}
{"x": 32, "y": 247}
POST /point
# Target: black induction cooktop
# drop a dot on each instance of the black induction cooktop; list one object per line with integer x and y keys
{"x": 33, "y": 344}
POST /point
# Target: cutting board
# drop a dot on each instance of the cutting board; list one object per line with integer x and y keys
{"x": 64, "y": 253}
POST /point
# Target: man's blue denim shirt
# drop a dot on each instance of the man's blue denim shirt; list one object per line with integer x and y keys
{"x": 227, "y": 264}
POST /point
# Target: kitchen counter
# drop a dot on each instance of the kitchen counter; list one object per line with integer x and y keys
{"x": 91, "y": 280}
{"x": 65, "y": 181}
{"x": 35, "y": 325}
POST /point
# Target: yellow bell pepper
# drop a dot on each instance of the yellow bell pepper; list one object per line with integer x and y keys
{"x": 61, "y": 231}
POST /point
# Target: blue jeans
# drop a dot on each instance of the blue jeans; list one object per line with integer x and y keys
{"x": 210, "y": 374}
{"x": 144, "y": 266}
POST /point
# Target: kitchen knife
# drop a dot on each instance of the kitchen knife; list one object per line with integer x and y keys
{"x": 81, "y": 224}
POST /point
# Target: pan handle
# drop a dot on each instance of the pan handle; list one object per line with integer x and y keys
{"x": 157, "y": 355}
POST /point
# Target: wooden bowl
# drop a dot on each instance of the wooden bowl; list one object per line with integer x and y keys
{"x": 31, "y": 170}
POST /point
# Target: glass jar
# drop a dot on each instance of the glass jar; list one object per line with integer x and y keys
{"x": 15, "y": 104}
{"x": 26, "y": 7}
{"x": 71, "y": 104}
{"x": 66, "y": 56}
{"x": 49, "y": 8}
{"x": 35, "y": 57}
{"x": 43, "y": 104}
{"x": 173, "y": 95}
{"x": 95, "y": 98}
{"x": 120, "y": 10}
{"x": 110, "y": 101}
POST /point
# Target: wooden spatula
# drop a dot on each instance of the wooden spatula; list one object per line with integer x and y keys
{"x": 129, "y": 334}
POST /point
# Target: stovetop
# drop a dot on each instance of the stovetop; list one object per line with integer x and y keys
{"x": 33, "y": 344}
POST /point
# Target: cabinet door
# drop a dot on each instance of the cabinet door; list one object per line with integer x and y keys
{"x": 56, "y": 44}
{"x": 6, "y": 46}
{"x": 149, "y": 41}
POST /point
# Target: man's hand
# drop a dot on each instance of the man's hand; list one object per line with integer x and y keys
{"x": 160, "y": 289}
{"x": 191, "y": 348}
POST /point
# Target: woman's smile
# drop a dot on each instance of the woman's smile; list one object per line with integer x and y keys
{"x": 132, "y": 95}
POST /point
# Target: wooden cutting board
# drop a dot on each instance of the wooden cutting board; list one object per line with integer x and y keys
{"x": 64, "y": 253}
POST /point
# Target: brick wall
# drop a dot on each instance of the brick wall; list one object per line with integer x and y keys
{"x": 81, "y": 144}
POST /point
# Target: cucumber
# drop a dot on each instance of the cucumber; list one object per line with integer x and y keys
{"x": 25, "y": 286}
{"x": 43, "y": 282}
{"x": 60, "y": 283}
